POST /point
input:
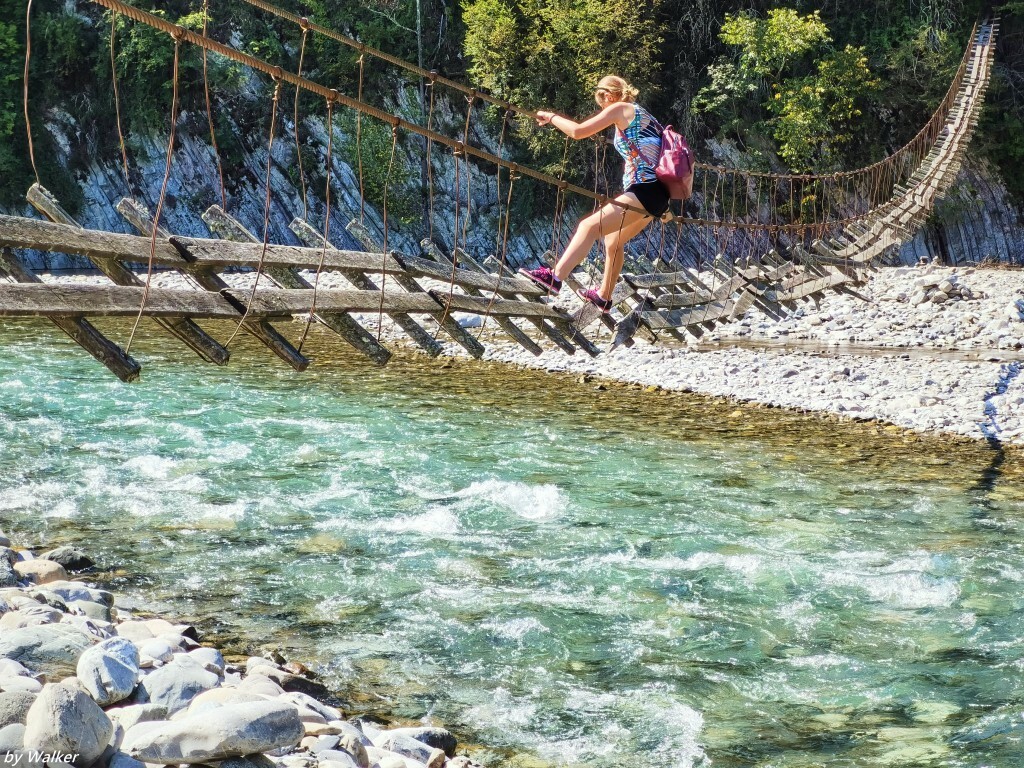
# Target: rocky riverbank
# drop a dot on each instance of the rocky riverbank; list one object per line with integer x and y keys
{"x": 85, "y": 682}
{"x": 931, "y": 349}
{"x": 938, "y": 350}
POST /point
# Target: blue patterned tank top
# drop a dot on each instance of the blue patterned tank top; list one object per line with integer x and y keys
{"x": 640, "y": 147}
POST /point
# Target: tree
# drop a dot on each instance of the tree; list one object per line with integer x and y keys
{"x": 788, "y": 83}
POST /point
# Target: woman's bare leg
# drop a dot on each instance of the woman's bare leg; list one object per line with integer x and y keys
{"x": 615, "y": 253}
{"x": 606, "y": 221}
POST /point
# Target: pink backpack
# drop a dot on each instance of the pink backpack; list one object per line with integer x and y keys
{"x": 675, "y": 165}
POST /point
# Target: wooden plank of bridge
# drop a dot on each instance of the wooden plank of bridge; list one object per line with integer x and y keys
{"x": 568, "y": 333}
{"x": 504, "y": 323}
{"x": 588, "y": 314}
{"x": 59, "y": 300}
{"x": 223, "y": 224}
{"x": 566, "y": 341}
{"x": 404, "y": 278}
{"x": 139, "y": 217}
{"x": 119, "y": 362}
{"x": 184, "y": 329}
{"x": 414, "y": 330}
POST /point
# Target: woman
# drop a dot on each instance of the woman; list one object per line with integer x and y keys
{"x": 638, "y": 140}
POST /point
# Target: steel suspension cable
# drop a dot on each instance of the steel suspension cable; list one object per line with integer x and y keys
{"x": 295, "y": 126}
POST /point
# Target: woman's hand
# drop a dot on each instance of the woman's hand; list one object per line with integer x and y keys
{"x": 543, "y": 118}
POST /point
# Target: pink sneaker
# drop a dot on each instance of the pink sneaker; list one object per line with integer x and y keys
{"x": 593, "y": 297}
{"x": 543, "y": 277}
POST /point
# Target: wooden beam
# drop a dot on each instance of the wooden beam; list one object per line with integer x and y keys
{"x": 64, "y": 300}
{"x": 139, "y": 217}
{"x": 182, "y": 328}
{"x": 420, "y": 336}
{"x": 220, "y": 254}
{"x": 559, "y": 339}
{"x": 119, "y": 362}
{"x": 224, "y": 225}
{"x": 404, "y": 279}
{"x": 505, "y": 323}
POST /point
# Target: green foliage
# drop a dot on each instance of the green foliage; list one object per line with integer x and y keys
{"x": 551, "y": 53}
{"x": 809, "y": 104}
{"x": 380, "y": 175}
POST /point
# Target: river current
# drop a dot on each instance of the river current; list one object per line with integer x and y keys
{"x": 565, "y": 573}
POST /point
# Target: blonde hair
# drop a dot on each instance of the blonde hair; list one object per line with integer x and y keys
{"x": 616, "y": 85}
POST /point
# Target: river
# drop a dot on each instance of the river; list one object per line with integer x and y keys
{"x": 567, "y": 572}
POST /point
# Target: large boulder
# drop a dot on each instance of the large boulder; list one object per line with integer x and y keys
{"x": 174, "y": 685}
{"x": 50, "y": 649}
{"x": 233, "y": 730}
{"x": 14, "y": 706}
{"x": 40, "y": 571}
{"x": 65, "y": 719}
{"x": 109, "y": 671}
{"x": 69, "y": 558}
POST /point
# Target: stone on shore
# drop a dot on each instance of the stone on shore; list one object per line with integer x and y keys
{"x": 8, "y": 576}
{"x": 132, "y": 715}
{"x": 12, "y": 738}
{"x": 175, "y": 685}
{"x": 63, "y": 718}
{"x": 4, "y": 541}
{"x": 52, "y": 649}
{"x": 30, "y": 616}
{"x": 110, "y": 671}
{"x": 235, "y": 730}
{"x": 14, "y": 706}
{"x": 407, "y": 746}
{"x": 40, "y": 571}
{"x": 70, "y": 558}
{"x": 438, "y": 738}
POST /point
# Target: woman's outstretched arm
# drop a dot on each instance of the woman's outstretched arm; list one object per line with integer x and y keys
{"x": 620, "y": 113}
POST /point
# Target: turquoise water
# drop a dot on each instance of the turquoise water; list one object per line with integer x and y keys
{"x": 567, "y": 576}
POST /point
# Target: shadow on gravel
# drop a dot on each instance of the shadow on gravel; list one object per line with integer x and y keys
{"x": 990, "y": 428}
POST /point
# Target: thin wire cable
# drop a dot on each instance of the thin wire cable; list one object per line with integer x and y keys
{"x": 117, "y": 96}
{"x": 430, "y": 165}
{"x": 266, "y": 213}
{"x": 209, "y": 112}
{"x": 359, "y": 143}
{"x": 327, "y": 223}
{"x": 28, "y": 59}
{"x": 295, "y": 126}
{"x": 469, "y": 171}
{"x": 163, "y": 194}
{"x": 501, "y": 264}
{"x": 384, "y": 216}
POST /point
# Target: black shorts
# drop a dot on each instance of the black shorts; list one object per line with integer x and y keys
{"x": 653, "y": 196}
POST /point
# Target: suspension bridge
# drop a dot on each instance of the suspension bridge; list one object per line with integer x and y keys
{"x": 774, "y": 241}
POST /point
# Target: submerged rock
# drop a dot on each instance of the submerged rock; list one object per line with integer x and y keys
{"x": 72, "y": 559}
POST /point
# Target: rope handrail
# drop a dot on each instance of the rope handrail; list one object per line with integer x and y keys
{"x": 278, "y": 74}
{"x": 434, "y": 77}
